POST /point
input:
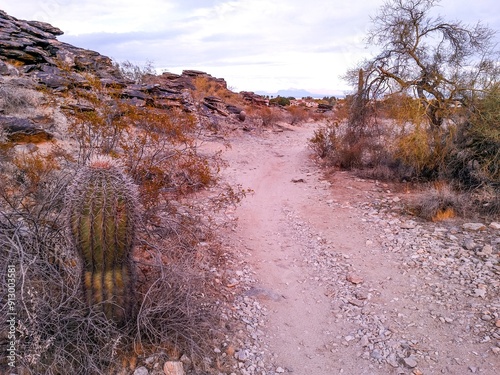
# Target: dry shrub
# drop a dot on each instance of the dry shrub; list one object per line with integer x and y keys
{"x": 441, "y": 203}
{"x": 414, "y": 150}
{"x": 298, "y": 114}
{"x": 342, "y": 146}
{"x": 177, "y": 308}
{"x": 56, "y": 334}
{"x": 325, "y": 141}
{"x": 136, "y": 73}
{"x": 475, "y": 162}
{"x": 207, "y": 86}
{"x": 17, "y": 100}
{"x": 269, "y": 116}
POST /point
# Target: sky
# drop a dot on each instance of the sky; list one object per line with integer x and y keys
{"x": 255, "y": 45}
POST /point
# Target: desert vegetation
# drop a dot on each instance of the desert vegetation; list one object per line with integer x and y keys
{"x": 107, "y": 253}
{"x": 425, "y": 108}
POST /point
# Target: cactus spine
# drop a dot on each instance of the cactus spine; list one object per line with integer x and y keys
{"x": 102, "y": 210}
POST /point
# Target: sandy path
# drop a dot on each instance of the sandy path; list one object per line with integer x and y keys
{"x": 302, "y": 238}
{"x": 286, "y": 182}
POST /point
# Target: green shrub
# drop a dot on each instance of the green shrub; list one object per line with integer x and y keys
{"x": 475, "y": 161}
{"x": 280, "y": 100}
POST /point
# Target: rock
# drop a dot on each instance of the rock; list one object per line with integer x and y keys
{"x": 487, "y": 250}
{"x": 4, "y": 68}
{"x": 254, "y": 99}
{"x": 469, "y": 244}
{"x": 173, "y": 368}
{"x": 364, "y": 341}
{"x": 215, "y": 104}
{"x": 242, "y": 116}
{"x": 474, "y": 227}
{"x": 392, "y": 360}
{"x": 408, "y": 225}
{"x": 280, "y": 370}
{"x": 375, "y": 354}
{"x": 481, "y": 293}
{"x": 322, "y": 108}
{"x": 230, "y": 350}
{"x": 410, "y": 362}
{"x": 494, "y": 225}
{"x": 242, "y": 355}
{"x": 21, "y": 130}
{"x": 353, "y": 278}
{"x": 141, "y": 371}
{"x": 186, "y": 361}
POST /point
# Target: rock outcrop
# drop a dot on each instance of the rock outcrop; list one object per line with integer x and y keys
{"x": 21, "y": 130}
{"x": 29, "y": 50}
{"x": 253, "y": 98}
{"x": 34, "y": 44}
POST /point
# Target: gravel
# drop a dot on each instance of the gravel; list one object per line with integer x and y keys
{"x": 453, "y": 270}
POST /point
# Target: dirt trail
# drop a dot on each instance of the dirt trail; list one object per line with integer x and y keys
{"x": 292, "y": 213}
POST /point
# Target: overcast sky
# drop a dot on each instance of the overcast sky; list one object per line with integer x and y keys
{"x": 254, "y": 44}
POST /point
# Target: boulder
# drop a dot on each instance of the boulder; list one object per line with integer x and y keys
{"x": 253, "y": 98}
{"x": 21, "y": 130}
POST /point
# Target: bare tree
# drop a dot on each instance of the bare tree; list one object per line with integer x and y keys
{"x": 436, "y": 61}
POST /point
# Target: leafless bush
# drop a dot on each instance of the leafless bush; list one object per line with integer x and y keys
{"x": 298, "y": 114}
{"x": 57, "y": 332}
{"x": 134, "y": 72}
{"x": 269, "y": 116}
{"x": 15, "y": 99}
{"x": 339, "y": 146}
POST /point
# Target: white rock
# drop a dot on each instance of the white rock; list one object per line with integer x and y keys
{"x": 173, "y": 368}
{"x": 410, "y": 362}
{"x": 474, "y": 226}
{"x": 141, "y": 371}
{"x": 495, "y": 225}
{"x": 479, "y": 293}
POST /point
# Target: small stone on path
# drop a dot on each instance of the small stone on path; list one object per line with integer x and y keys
{"x": 474, "y": 226}
{"x": 173, "y": 368}
{"x": 410, "y": 362}
{"x": 353, "y": 278}
{"x": 495, "y": 225}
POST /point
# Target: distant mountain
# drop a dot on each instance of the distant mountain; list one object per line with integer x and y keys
{"x": 297, "y": 93}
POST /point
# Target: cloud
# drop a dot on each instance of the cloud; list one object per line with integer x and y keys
{"x": 253, "y": 44}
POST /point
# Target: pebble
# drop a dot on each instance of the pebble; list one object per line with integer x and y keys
{"x": 474, "y": 226}
{"x": 141, "y": 371}
{"x": 173, "y": 368}
{"x": 353, "y": 278}
{"x": 494, "y": 225}
{"x": 410, "y": 362}
{"x": 448, "y": 266}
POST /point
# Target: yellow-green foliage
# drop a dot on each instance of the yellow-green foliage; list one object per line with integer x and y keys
{"x": 403, "y": 109}
{"x": 413, "y": 149}
{"x": 483, "y": 136}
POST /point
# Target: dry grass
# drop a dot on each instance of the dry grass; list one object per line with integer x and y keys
{"x": 15, "y": 100}
{"x": 177, "y": 303}
{"x": 442, "y": 203}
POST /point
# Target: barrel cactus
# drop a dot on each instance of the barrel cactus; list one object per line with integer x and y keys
{"x": 101, "y": 210}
